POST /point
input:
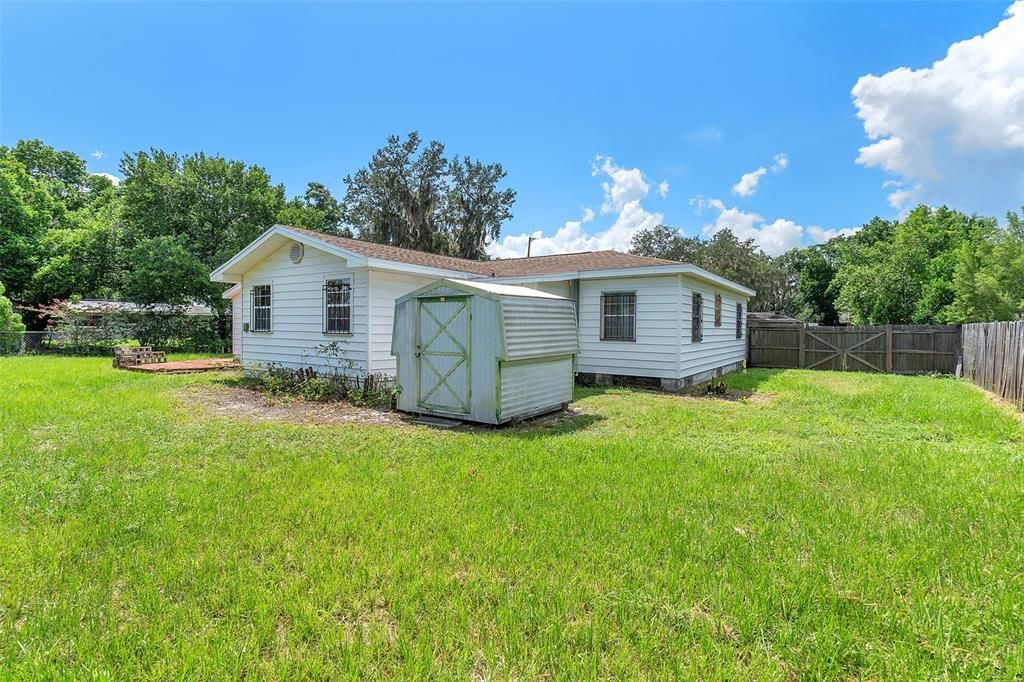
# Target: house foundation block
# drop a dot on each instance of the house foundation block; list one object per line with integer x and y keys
{"x": 672, "y": 385}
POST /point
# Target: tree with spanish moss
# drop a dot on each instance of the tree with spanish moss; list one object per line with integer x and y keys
{"x": 413, "y": 196}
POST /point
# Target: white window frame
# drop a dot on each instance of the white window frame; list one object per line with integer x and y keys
{"x": 269, "y": 307}
{"x": 324, "y": 304}
{"x": 602, "y": 317}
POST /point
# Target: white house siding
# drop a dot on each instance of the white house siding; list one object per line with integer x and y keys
{"x": 720, "y": 347}
{"x": 385, "y": 288}
{"x": 655, "y": 353}
{"x": 297, "y": 312}
{"x": 236, "y": 326}
{"x": 559, "y": 288}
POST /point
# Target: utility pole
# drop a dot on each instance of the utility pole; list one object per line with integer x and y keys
{"x": 529, "y": 243}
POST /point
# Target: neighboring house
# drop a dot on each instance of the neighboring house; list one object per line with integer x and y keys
{"x": 638, "y": 317}
{"x": 93, "y": 309}
{"x": 772, "y": 316}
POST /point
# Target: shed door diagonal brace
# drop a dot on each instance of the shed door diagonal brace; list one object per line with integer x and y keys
{"x": 442, "y": 327}
{"x": 442, "y": 380}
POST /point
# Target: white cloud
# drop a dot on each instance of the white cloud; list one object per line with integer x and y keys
{"x": 820, "y": 234}
{"x": 748, "y": 183}
{"x": 623, "y": 191}
{"x": 954, "y": 131}
{"x": 626, "y": 185}
{"x": 903, "y": 195}
{"x": 705, "y": 135}
{"x": 113, "y": 178}
{"x": 774, "y": 238}
{"x": 97, "y": 154}
{"x": 663, "y": 189}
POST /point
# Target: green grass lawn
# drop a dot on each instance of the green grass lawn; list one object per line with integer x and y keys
{"x": 832, "y": 525}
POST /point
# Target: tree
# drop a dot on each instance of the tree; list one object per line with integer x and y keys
{"x": 211, "y": 206}
{"x": 418, "y": 199}
{"x": 815, "y": 268}
{"x": 26, "y": 213}
{"x": 82, "y": 254}
{"x": 164, "y": 270}
{"x": 11, "y": 326}
{"x": 476, "y": 208}
{"x": 317, "y": 210}
{"x": 741, "y": 261}
{"x": 902, "y": 273}
{"x": 62, "y": 172}
{"x": 988, "y": 277}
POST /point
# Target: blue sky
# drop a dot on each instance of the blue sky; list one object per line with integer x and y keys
{"x": 608, "y": 117}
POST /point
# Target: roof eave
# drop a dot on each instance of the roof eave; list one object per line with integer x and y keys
{"x": 230, "y": 271}
{"x": 635, "y": 271}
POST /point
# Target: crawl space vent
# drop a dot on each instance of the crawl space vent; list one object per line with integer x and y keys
{"x": 296, "y": 253}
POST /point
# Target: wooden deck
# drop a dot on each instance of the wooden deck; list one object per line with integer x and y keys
{"x": 186, "y": 366}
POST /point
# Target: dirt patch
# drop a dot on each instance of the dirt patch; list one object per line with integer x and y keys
{"x": 1002, "y": 402}
{"x": 727, "y": 393}
{"x": 250, "y": 405}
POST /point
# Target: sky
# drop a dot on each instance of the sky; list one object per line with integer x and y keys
{"x": 788, "y": 123}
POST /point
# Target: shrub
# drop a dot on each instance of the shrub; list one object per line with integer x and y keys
{"x": 11, "y": 326}
{"x": 366, "y": 390}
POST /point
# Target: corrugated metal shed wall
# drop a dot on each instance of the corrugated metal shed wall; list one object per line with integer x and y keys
{"x": 532, "y": 386}
{"x": 536, "y": 327}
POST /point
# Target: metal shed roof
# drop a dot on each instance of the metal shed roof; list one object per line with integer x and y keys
{"x": 485, "y": 289}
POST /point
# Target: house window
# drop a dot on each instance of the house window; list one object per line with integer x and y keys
{"x": 618, "y": 317}
{"x": 739, "y": 320}
{"x": 261, "y": 307}
{"x": 337, "y": 306}
{"x": 718, "y": 310}
{"x": 697, "y": 318}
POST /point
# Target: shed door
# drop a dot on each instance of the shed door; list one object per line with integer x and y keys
{"x": 442, "y": 352}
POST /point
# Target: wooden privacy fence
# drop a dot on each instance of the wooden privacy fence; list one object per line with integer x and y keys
{"x": 994, "y": 358}
{"x": 894, "y": 349}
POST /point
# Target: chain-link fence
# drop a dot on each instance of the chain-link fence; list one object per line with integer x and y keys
{"x": 18, "y": 343}
{"x": 85, "y": 340}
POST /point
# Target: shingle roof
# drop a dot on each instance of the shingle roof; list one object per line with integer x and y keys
{"x": 508, "y": 267}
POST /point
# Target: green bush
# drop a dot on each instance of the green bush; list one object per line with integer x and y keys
{"x": 366, "y": 390}
{"x": 11, "y": 326}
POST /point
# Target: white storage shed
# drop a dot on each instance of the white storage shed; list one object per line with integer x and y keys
{"x": 484, "y": 352}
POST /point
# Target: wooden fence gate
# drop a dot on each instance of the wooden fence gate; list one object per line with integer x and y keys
{"x": 893, "y": 349}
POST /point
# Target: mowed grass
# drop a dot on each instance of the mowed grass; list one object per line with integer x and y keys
{"x": 833, "y": 525}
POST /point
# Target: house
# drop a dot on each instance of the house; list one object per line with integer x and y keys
{"x": 94, "y": 309}
{"x": 299, "y": 290}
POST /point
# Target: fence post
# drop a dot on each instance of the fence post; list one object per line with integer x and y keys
{"x": 888, "y": 348}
